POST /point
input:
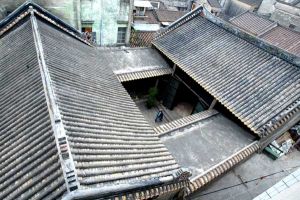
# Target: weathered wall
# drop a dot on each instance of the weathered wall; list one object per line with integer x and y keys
{"x": 65, "y": 9}
{"x": 176, "y": 3}
{"x": 266, "y": 7}
{"x": 286, "y": 15}
{"x": 236, "y": 7}
{"x": 106, "y": 16}
{"x": 283, "y": 14}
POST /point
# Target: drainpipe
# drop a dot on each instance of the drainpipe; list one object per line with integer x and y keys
{"x": 130, "y": 19}
{"x": 190, "y": 4}
{"x": 212, "y": 105}
{"x": 101, "y": 23}
{"x": 78, "y": 14}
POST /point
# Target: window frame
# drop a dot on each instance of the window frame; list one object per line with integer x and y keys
{"x": 121, "y": 35}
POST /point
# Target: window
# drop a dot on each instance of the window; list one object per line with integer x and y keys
{"x": 140, "y": 11}
{"x": 88, "y": 34}
{"x": 121, "y": 35}
{"x": 86, "y": 29}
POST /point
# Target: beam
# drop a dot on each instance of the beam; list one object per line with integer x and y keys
{"x": 212, "y": 105}
{"x": 195, "y": 93}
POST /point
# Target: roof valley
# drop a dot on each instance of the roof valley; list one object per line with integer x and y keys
{"x": 65, "y": 156}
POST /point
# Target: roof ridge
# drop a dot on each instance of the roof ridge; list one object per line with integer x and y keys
{"x": 185, "y": 18}
{"x": 64, "y": 151}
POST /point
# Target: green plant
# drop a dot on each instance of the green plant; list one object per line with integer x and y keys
{"x": 151, "y": 101}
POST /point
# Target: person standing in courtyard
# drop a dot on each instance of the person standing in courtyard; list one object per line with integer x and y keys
{"x": 159, "y": 116}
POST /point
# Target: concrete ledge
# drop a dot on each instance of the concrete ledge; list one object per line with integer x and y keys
{"x": 216, "y": 171}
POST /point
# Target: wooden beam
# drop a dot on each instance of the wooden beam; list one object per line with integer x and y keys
{"x": 212, "y": 105}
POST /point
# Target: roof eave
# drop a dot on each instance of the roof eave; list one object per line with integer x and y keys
{"x": 146, "y": 189}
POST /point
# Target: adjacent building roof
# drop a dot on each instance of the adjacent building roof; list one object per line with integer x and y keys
{"x": 271, "y": 32}
{"x": 68, "y": 127}
{"x": 261, "y": 89}
{"x": 284, "y": 38}
{"x": 168, "y": 16}
{"x": 252, "y": 23}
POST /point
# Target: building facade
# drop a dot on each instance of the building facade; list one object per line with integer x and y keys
{"x": 107, "y": 21}
{"x": 285, "y": 13}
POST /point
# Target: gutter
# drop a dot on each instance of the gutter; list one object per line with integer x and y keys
{"x": 138, "y": 190}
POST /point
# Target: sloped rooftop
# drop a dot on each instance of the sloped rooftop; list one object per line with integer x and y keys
{"x": 168, "y": 15}
{"x": 284, "y": 38}
{"x": 30, "y": 165}
{"x": 252, "y": 23}
{"x": 68, "y": 127}
{"x": 259, "y": 88}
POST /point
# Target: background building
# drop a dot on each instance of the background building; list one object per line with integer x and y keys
{"x": 108, "y": 21}
{"x": 286, "y": 13}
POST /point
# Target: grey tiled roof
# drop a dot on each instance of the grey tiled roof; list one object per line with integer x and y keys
{"x": 29, "y": 161}
{"x": 260, "y": 89}
{"x": 53, "y": 84}
{"x": 252, "y": 23}
{"x": 110, "y": 140}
